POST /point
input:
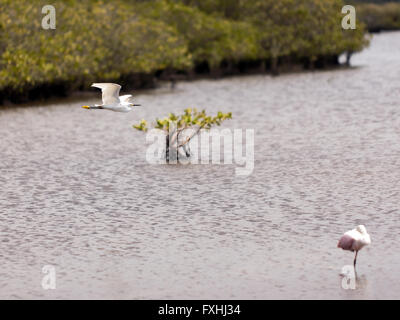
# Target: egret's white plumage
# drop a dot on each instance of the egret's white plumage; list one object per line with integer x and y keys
{"x": 355, "y": 240}
{"x": 111, "y": 99}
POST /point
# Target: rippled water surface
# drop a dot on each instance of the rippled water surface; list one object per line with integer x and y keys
{"x": 77, "y": 193}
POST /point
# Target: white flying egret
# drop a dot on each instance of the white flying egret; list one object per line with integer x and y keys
{"x": 354, "y": 240}
{"x": 111, "y": 99}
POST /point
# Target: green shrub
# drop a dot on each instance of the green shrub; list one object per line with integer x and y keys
{"x": 97, "y": 40}
{"x": 92, "y": 40}
{"x": 379, "y": 17}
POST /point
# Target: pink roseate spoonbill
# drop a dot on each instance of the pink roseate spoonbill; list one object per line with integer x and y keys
{"x": 354, "y": 240}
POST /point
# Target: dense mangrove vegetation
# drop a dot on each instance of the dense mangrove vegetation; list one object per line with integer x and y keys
{"x": 379, "y": 16}
{"x": 135, "y": 42}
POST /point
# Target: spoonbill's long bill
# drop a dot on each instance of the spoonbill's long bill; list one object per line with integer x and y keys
{"x": 111, "y": 99}
{"x": 354, "y": 240}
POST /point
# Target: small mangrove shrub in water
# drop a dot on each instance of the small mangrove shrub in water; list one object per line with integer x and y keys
{"x": 179, "y": 130}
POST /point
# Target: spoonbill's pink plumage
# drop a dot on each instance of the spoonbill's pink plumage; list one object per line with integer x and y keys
{"x": 355, "y": 240}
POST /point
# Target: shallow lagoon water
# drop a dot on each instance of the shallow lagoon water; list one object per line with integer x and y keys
{"x": 77, "y": 193}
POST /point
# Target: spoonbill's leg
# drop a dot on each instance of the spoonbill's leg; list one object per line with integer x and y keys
{"x": 355, "y": 259}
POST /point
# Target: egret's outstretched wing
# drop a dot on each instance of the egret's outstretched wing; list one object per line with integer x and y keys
{"x": 126, "y": 98}
{"x": 110, "y": 92}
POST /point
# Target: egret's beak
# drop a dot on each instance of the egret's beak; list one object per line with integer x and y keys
{"x": 86, "y": 107}
{"x": 136, "y": 105}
